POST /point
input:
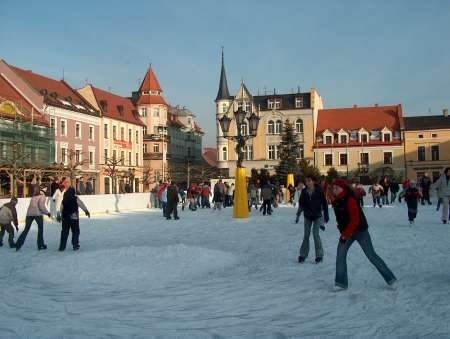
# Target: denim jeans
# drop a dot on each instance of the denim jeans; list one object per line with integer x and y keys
{"x": 40, "y": 236}
{"x": 376, "y": 201}
{"x": 314, "y": 224}
{"x": 363, "y": 238}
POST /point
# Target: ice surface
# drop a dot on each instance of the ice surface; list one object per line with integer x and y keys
{"x": 209, "y": 275}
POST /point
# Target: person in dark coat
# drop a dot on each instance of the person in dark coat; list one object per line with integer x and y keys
{"x": 8, "y": 216}
{"x": 412, "y": 196}
{"x": 425, "y": 184}
{"x": 394, "y": 188}
{"x": 70, "y": 218}
{"x": 352, "y": 225}
{"x": 172, "y": 201}
{"x": 314, "y": 205}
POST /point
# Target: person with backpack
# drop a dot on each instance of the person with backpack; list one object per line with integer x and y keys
{"x": 70, "y": 219}
{"x": 353, "y": 226}
{"x": 8, "y": 215}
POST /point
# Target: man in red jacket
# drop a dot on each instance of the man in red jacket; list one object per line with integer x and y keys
{"x": 352, "y": 225}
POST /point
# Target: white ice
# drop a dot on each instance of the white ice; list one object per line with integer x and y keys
{"x": 209, "y": 275}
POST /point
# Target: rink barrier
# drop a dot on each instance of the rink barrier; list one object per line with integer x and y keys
{"x": 96, "y": 204}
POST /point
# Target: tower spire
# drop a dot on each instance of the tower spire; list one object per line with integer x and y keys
{"x": 223, "y": 93}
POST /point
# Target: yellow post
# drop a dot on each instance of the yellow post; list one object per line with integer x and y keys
{"x": 240, "y": 206}
{"x": 290, "y": 180}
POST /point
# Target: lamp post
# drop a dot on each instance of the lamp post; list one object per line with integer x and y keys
{"x": 240, "y": 207}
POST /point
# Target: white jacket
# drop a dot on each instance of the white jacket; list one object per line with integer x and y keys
{"x": 443, "y": 186}
{"x": 57, "y": 198}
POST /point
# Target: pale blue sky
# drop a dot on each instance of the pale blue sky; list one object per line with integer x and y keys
{"x": 353, "y": 52}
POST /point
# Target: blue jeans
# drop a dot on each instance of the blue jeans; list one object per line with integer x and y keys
{"x": 363, "y": 238}
{"x": 376, "y": 200}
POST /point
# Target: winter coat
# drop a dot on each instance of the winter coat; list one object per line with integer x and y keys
{"x": 394, "y": 187}
{"x": 172, "y": 194}
{"x": 8, "y": 214}
{"x": 376, "y": 190}
{"x": 425, "y": 184}
{"x": 443, "y": 186}
{"x": 412, "y": 196}
{"x": 70, "y": 205}
{"x": 266, "y": 192}
{"x": 313, "y": 204}
{"x": 37, "y": 206}
{"x": 350, "y": 217}
{"x": 57, "y": 198}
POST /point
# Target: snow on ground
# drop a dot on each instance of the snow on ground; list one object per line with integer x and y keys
{"x": 209, "y": 275}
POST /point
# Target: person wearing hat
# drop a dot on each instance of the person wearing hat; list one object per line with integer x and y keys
{"x": 8, "y": 215}
{"x": 352, "y": 225}
{"x": 36, "y": 211}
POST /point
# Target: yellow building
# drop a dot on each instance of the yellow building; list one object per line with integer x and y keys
{"x": 427, "y": 145}
{"x": 360, "y": 141}
{"x": 263, "y": 150}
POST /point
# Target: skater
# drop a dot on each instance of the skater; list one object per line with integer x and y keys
{"x": 394, "y": 188}
{"x": 36, "y": 211}
{"x": 172, "y": 201}
{"x": 8, "y": 215}
{"x": 253, "y": 196}
{"x": 443, "y": 185}
{"x": 425, "y": 184}
{"x": 70, "y": 219}
{"x": 57, "y": 200}
{"x": 182, "y": 193}
{"x": 218, "y": 197}
{"x": 315, "y": 211}
{"x": 376, "y": 190}
{"x": 385, "y": 183}
{"x": 412, "y": 197}
{"x": 352, "y": 225}
{"x": 266, "y": 195}
{"x": 360, "y": 193}
{"x": 298, "y": 192}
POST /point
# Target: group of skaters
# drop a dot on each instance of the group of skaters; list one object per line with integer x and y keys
{"x": 64, "y": 205}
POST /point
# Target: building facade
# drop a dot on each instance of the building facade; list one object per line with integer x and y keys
{"x": 427, "y": 145}
{"x": 360, "y": 141}
{"x": 301, "y": 109}
{"x": 120, "y": 141}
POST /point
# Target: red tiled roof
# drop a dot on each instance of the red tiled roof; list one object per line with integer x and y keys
{"x": 210, "y": 156}
{"x": 7, "y": 92}
{"x": 150, "y": 99}
{"x": 54, "y": 91}
{"x": 150, "y": 82}
{"x": 112, "y": 102}
{"x": 354, "y": 118}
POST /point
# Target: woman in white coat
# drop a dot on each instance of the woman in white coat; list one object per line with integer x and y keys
{"x": 443, "y": 187}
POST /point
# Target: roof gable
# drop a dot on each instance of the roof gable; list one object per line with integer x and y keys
{"x": 150, "y": 82}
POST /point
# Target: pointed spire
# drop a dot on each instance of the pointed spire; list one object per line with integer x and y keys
{"x": 223, "y": 93}
{"x": 150, "y": 81}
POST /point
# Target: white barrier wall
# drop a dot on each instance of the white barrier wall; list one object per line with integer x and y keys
{"x": 96, "y": 204}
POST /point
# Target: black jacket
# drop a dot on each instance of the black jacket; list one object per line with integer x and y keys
{"x": 172, "y": 194}
{"x": 313, "y": 205}
{"x": 344, "y": 217}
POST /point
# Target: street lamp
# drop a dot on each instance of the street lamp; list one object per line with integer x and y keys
{"x": 240, "y": 208}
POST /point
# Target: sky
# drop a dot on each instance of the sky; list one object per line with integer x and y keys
{"x": 352, "y": 52}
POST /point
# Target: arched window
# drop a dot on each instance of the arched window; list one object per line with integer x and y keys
{"x": 244, "y": 129}
{"x": 278, "y": 127}
{"x": 299, "y": 126}
{"x": 224, "y": 153}
{"x": 270, "y": 127}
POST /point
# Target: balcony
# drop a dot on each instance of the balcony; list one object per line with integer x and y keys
{"x": 156, "y": 137}
{"x": 156, "y": 156}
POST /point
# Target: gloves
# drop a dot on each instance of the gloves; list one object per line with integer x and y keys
{"x": 322, "y": 227}
{"x": 88, "y": 214}
{"x": 342, "y": 240}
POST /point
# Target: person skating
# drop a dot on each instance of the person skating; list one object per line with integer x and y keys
{"x": 394, "y": 188}
{"x": 36, "y": 211}
{"x": 314, "y": 205}
{"x": 172, "y": 201}
{"x": 376, "y": 190}
{"x": 443, "y": 186}
{"x": 412, "y": 197}
{"x": 425, "y": 184}
{"x": 57, "y": 199}
{"x": 385, "y": 183}
{"x": 8, "y": 216}
{"x": 71, "y": 219}
{"x": 266, "y": 195}
{"x": 219, "y": 193}
{"x": 253, "y": 196}
{"x": 298, "y": 192}
{"x": 353, "y": 226}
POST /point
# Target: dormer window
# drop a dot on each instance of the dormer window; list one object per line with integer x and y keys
{"x": 298, "y": 102}
{"x": 343, "y": 139}
{"x": 274, "y": 103}
{"x": 343, "y": 136}
{"x": 327, "y": 137}
{"x": 363, "y": 136}
{"x": 386, "y": 135}
{"x": 120, "y": 109}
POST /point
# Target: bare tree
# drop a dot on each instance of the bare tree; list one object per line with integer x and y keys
{"x": 16, "y": 167}
{"x": 111, "y": 170}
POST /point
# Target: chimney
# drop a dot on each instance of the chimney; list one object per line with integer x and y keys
{"x": 445, "y": 112}
{"x": 355, "y": 106}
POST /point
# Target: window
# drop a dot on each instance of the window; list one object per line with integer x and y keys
{"x": 300, "y": 152}
{"x": 299, "y": 126}
{"x": 91, "y": 132}
{"x": 105, "y": 154}
{"x": 272, "y": 152}
{"x": 277, "y": 103}
{"x": 144, "y": 148}
{"x": 137, "y": 137}
{"x": 364, "y": 137}
{"x": 63, "y": 128}
{"x": 143, "y": 111}
{"x": 224, "y": 153}
{"x": 270, "y": 104}
{"x": 343, "y": 139}
{"x": 278, "y": 152}
{"x": 421, "y": 153}
{"x": 364, "y": 158}
{"x": 63, "y": 155}
{"x": 156, "y": 112}
{"x": 114, "y": 133}
{"x": 129, "y": 135}
{"x": 129, "y": 159}
{"x": 434, "y": 135}
{"x": 244, "y": 129}
{"x": 105, "y": 131}
{"x": 122, "y": 158}
{"x": 246, "y": 106}
{"x": 387, "y": 158}
{"x": 328, "y": 159}
{"x": 420, "y": 136}
{"x": 77, "y": 130}
{"x": 78, "y": 156}
{"x": 144, "y": 130}
{"x": 278, "y": 127}
{"x": 114, "y": 155}
{"x": 343, "y": 159}
{"x": 155, "y": 148}
{"x": 435, "y": 152}
{"x": 248, "y": 152}
{"x": 91, "y": 158}
{"x": 53, "y": 124}
{"x": 387, "y": 137}
{"x": 137, "y": 159}
{"x": 122, "y": 133}
{"x": 328, "y": 139}
{"x": 270, "y": 127}
{"x": 298, "y": 102}
{"x": 224, "y": 107}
